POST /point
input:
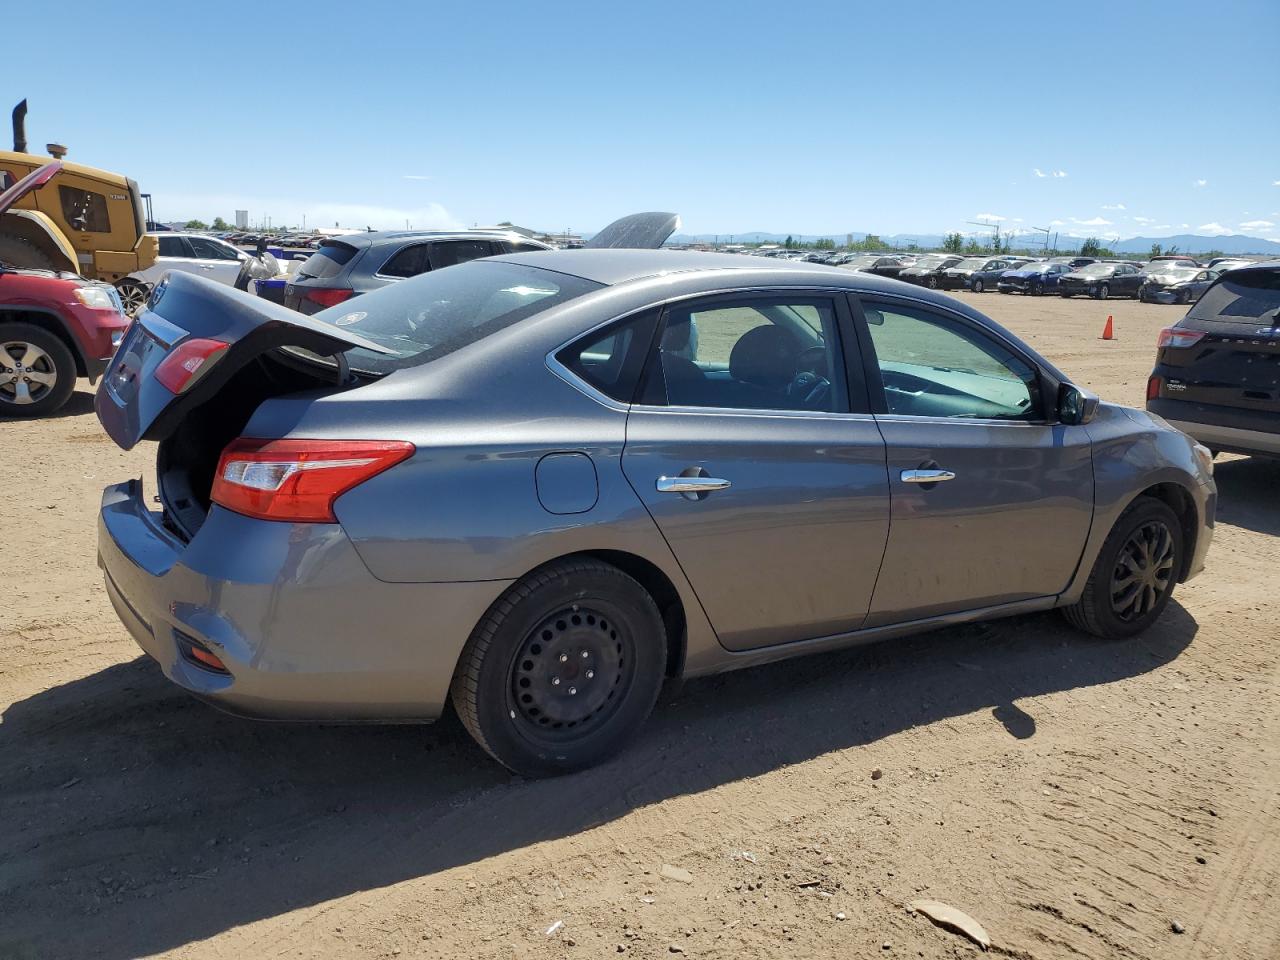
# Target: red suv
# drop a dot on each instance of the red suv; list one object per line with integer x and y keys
{"x": 54, "y": 327}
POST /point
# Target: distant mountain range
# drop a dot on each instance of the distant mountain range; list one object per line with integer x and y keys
{"x": 1185, "y": 242}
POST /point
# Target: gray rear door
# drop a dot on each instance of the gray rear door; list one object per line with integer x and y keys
{"x": 734, "y": 391}
{"x": 1011, "y": 522}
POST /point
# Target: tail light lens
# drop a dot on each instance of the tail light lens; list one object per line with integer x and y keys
{"x": 327, "y": 297}
{"x": 1177, "y": 337}
{"x": 188, "y": 362}
{"x": 1154, "y": 384}
{"x": 298, "y": 480}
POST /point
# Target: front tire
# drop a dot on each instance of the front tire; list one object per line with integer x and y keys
{"x": 976, "y": 286}
{"x": 1037, "y": 288}
{"x": 932, "y": 283}
{"x": 1133, "y": 578}
{"x": 1104, "y": 291}
{"x": 563, "y": 668}
{"x": 37, "y": 371}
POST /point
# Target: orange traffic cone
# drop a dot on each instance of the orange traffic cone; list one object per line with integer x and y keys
{"x": 1109, "y": 331}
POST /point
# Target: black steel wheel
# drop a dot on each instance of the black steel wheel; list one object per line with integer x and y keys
{"x": 1037, "y": 288}
{"x": 1134, "y": 575}
{"x": 563, "y": 668}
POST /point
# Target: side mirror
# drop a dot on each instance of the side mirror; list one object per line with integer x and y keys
{"x": 1076, "y": 406}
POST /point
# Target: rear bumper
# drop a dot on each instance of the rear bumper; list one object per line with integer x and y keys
{"x": 305, "y": 631}
{"x": 1228, "y": 429}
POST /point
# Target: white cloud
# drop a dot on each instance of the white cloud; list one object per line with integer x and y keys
{"x": 1113, "y": 206}
{"x": 1040, "y": 173}
{"x": 291, "y": 210}
{"x": 1092, "y": 222}
{"x": 1143, "y": 219}
{"x": 1056, "y": 223}
{"x": 1059, "y": 173}
{"x": 1016, "y": 219}
{"x": 1163, "y": 226}
{"x": 1213, "y": 229}
{"x": 989, "y": 216}
{"x": 1200, "y": 183}
{"x": 1184, "y": 226}
{"x": 1275, "y": 183}
{"x": 416, "y": 176}
{"x": 1256, "y": 224}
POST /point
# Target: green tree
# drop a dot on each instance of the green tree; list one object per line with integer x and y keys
{"x": 1156, "y": 250}
{"x": 197, "y": 225}
{"x": 788, "y": 242}
{"x": 953, "y": 243}
{"x": 1091, "y": 247}
{"x": 972, "y": 246}
{"x": 220, "y": 224}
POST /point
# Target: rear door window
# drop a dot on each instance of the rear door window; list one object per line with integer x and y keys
{"x": 174, "y": 247}
{"x": 610, "y": 360}
{"x": 407, "y": 262}
{"x": 206, "y": 249}
{"x": 446, "y": 253}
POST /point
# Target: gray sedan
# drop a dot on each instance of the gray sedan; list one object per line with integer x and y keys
{"x": 539, "y": 484}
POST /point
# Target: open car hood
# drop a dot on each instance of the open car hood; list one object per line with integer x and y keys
{"x": 202, "y": 332}
{"x": 32, "y": 181}
{"x": 638, "y": 231}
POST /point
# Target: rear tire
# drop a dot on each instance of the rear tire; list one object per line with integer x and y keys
{"x": 932, "y": 283}
{"x": 1133, "y": 578}
{"x": 20, "y": 252}
{"x": 976, "y": 286}
{"x": 37, "y": 371}
{"x": 563, "y": 669}
{"x": 133, "y": 295}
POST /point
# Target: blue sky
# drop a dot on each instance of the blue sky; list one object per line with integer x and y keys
{"x": 1111, "y": 119}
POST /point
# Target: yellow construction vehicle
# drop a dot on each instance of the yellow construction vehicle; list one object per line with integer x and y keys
{"x": 87, "y": 221}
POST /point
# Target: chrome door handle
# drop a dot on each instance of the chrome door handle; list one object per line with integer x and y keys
{"x": 691, "y": 484}
{"x": 926, "y": 476}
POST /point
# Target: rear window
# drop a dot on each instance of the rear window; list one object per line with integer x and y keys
{"x": 1245, "y": 295}
{"x": 432, "y": 315}
{"x": 327, "y": 261}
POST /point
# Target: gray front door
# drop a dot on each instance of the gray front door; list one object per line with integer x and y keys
{"x": 991, "y": 502}
{"x": 752, "y": 392}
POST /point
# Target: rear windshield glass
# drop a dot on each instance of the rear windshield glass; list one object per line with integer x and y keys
{"x": 1250, "y": 295}
{"x": 428, "y": 316}
{"x": 327, "y": 261}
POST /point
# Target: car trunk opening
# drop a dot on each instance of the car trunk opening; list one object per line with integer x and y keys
{"x": 188, "y": 456}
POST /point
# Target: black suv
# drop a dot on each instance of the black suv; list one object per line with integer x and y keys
{"x": 1217, "y": 373}
{"x": 356, "y": 263}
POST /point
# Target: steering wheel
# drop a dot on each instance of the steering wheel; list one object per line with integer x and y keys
{"x": 810, "y": 386}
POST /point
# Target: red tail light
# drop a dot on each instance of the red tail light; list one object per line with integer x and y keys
{"x": 188, "y": 362}
{"x": 1154, "y": 384}
{"x": 1178, "y": 337}
{"x": 298, "y": 480}
{"x": 326, "y": 297}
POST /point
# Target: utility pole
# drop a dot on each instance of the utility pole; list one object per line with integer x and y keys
{"x": 1045, "y": 231}
{"x": 995, "y": 237}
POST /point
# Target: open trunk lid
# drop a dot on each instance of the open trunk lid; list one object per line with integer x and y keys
{"x": 194, "y": 335}
{"x": 638, "y": 231}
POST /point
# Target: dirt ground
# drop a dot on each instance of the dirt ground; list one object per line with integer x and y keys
{"x": 1080, "y": 799}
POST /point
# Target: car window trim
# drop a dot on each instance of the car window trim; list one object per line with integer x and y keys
{"x": 1047, "y": 384}
{"x": 396, "y": 252}
{"x": 837, "y": 293}
{"x": 844, "y": 389}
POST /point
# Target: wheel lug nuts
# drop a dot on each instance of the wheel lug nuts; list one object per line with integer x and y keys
{"x": 564, "y": 658}
{"x": 591, "y": 674}
{"x": 555, "y": 681}
{"x": 573, "y": 691}
{"x": 585, "y": 654}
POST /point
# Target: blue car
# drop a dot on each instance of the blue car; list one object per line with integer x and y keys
{"x": 1034, "y": 278}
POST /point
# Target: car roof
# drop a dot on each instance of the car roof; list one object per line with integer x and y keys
{"x": 379, "y": 237}
{"x": 612, "y": 267}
